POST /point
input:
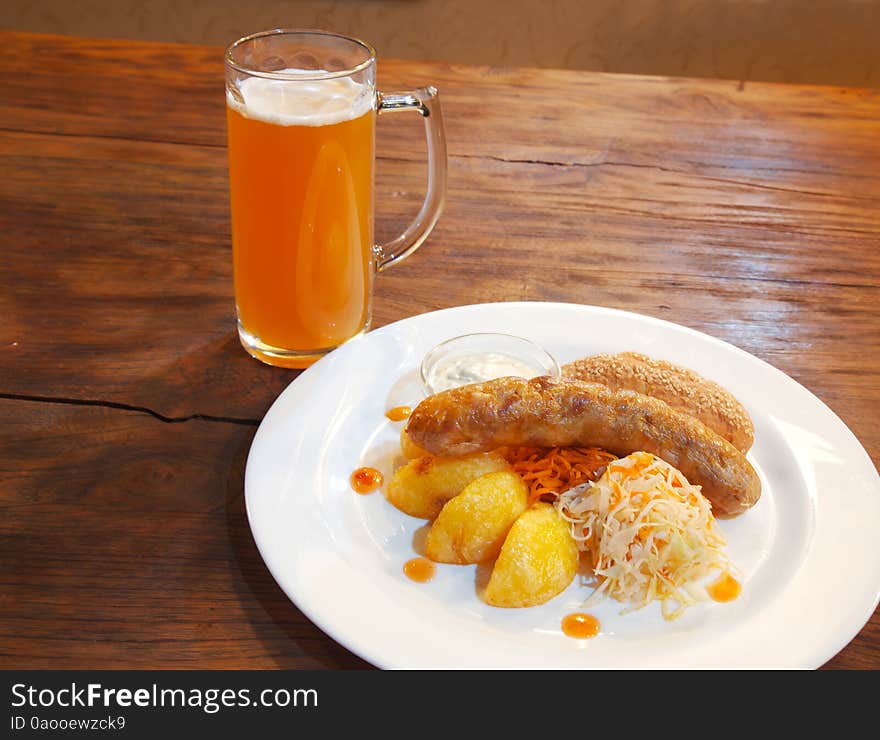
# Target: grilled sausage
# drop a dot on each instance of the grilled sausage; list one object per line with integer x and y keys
{"x": 544, "y": 412}
{"x": 681, "y": 388}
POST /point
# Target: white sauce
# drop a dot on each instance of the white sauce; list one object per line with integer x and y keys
{"x": 452, "y": 372}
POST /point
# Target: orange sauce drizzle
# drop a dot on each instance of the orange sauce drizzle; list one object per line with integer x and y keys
{"x": 726, "y": 588}
{"x": 398, "y": 413}
{"x": 366, "y": 480}
{"x": 420, "y": 570}
{"x": 580, "y": 625}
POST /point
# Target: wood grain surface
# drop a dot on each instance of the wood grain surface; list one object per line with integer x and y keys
{"x": 127, "y": 406}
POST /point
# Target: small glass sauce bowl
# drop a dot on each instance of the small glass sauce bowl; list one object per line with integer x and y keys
{"x": 473, "y": 358}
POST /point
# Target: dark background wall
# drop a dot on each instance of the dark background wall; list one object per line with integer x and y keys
{"x": 819, "y": 41}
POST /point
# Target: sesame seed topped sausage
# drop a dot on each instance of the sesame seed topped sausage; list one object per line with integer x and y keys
{"x": 681, "y": 388}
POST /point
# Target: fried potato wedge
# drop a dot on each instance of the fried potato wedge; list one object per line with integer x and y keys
{"x": 422, "y": 486}
{"x": 472, "y": 526}
{"x": 409, "y": 448}
{"x": 538, "y": 560}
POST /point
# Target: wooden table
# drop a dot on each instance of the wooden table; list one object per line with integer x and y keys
{"x": 748, "y": 211}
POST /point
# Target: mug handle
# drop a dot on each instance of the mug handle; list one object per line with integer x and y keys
{"x": 425, "y": 101}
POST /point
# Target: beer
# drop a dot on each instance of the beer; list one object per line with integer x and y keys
{"x": 301, "y": 110}
{"x": 301, "y": 181}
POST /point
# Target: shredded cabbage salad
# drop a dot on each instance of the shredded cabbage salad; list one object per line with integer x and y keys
{"x": 650, "y": 533}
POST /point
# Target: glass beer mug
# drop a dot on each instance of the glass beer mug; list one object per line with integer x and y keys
{"x": 301, "y": 116}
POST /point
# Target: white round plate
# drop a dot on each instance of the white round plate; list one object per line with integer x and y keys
{"x": 806, "y": 551}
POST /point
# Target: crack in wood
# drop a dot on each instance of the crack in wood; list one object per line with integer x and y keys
{"x": 496, "y": 158}
{"x": 128, "y": 407}
{"x": 671, "y": 171}
{"x": 547, "y": 162}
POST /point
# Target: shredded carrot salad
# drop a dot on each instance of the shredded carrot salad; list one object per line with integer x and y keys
{"x": 550, "y": 471}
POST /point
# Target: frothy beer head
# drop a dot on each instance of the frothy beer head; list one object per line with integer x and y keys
{"x": 305, "y": 102}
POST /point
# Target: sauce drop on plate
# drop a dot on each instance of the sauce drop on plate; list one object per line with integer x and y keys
{"x": 420, "y": 570}
{"x": 398, "y": 413}
{"x": 726, "y": 588}
{"x": 366, "y": 480}
{"x": 580, "y": 625}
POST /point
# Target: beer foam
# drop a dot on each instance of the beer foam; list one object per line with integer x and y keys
{"x": 304, "y": 102}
